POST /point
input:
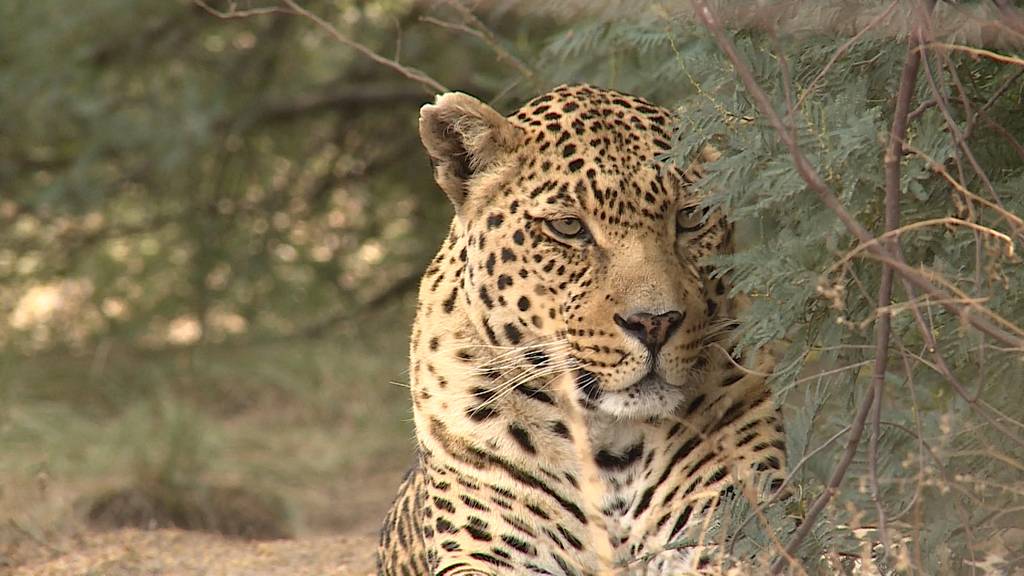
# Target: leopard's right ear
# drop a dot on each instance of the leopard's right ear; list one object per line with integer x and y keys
{"x": 464, "y": 137}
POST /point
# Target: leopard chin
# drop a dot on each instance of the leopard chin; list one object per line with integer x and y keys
{"x": 651, "y": 397}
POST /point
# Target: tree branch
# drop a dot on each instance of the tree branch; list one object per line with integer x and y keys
{"x": 360, "y": 94}
{"x": 842, "y": 50}
{"x": 409, "y": 72}
{"x": 973, "y": 121}
{"x": 893, "y": 158}
{"x": 233, "y": 12}
{"x": 290, "y": 7}
{"x": 474, "y": 27}
{"x": 979, "y": 53}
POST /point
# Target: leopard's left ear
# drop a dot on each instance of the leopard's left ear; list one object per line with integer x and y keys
{"x": 464, "y": 137}
{"x": 695, "y": 171}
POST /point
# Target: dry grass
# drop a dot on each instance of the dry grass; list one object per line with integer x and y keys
{"x": 315, "y": 424}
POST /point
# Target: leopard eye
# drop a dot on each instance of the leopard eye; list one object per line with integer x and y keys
{"x": 567, "y": 228}
{"x": 688, "y": 219}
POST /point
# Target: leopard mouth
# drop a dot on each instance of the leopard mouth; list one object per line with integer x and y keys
{"x": 651, "y": 396}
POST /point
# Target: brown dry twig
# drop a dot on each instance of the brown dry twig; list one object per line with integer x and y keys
{"x": 972, "y": 122}
{"x": 978, "y": 53}
{"x": 958, "y": 137}
{"x": 892, "y": 161}
{"x": 474, "y": 27}
{"x": 1016, "y": 222}
{"x": 944, "y": 221}
{"x": 842, "y": 50}
{"x": 786, "y": 482}
{"x": 290, "y": 7}
{"x": 234, "y": 12}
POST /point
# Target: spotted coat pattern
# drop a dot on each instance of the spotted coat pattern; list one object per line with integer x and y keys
{"x": 575, "y": 253}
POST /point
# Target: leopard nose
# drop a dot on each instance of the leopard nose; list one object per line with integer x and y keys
{"x": 650, "y": 329}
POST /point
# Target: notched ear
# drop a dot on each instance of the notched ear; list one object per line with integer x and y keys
{"x": 463, "y": 137}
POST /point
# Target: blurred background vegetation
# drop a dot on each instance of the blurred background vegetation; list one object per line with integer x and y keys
{"x": 210, "y": 236}
{"x": 211, "y": 230}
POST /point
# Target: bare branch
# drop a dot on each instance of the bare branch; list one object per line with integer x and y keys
{"x": 292, "y": 8}
{"x": 1012, "y": 18}
{"x": 1014, "y": 143}
{"x": 410, "y": 73}
{"x": 842, "y": 50}
{"x": 921, "y": 109}
{"x": 789, "y": 478}
{"x": 958, "y": 137}
{"x": 453, "y": 26}
{"x": 838, "y": 473}
{"x": 944, "y": 221}
{"x": 1012, "y": 219}
{"x": 991, "y": 101}
{"x": 474, "y": 27}
{"x": 872, "y": 402}
{"x": 398, "y": 288}
{"x": 978, "y": 53}
{"x": 893, "y": 158}
{"x": 987, "y": 411}
{"x": 233, "y": 12}
{"x": 356, "y": 94}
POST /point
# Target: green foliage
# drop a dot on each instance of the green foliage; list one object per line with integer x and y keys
{"x": 949, "y": 477}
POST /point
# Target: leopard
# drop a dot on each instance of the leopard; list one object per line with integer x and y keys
{"x": 579, "y": 253}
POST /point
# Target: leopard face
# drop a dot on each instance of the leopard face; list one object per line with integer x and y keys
{"x": 581, "y": 248}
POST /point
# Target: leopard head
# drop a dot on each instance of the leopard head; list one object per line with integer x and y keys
{"x": 582, "y": 250}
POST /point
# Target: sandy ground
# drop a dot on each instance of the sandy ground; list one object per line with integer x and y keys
{"x": 339, "y": 539}
{"x": 180, "y": 553}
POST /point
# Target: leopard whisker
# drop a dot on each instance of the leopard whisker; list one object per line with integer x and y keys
{"x": 555, "y": 373}
{"x": 513, "y": 353}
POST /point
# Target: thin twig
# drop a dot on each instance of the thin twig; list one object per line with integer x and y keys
{"x": 35, "y": 537}
{"x": 842, "y": 50}
{"x": 1017, "y": 146}
{"x": 1016, "y": 222}
{"x": 925, "y": 329}
{"x": 758, "y": 511}
{"x": 398, "y": 40}
{"x": 1011, "y": 18}
{"x": 233, "y": 11}
{"x": 409, "y": 72}
{"x": 978, "y": 52}
{"x": 787, "y": 80}
{"x": 921, "y": 109}
{"x": 476, "y": 28}
{"x": 943, "y": 221}
{"x": 832, "y": 488}
{"x": 789, "y": 477}
{"x": 972, "y": 122}
{"x": 958, "y": 137}
{"x": 294, "y": 9}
